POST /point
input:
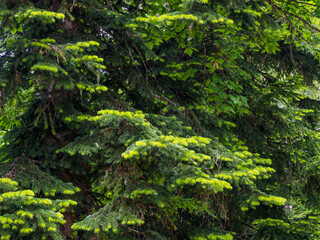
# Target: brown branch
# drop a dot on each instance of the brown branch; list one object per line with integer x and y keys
{"x": 304, "y": 3}
{"x": 163, "y": 98}
{"x": 245, "y": 224}
{"x": 276, "y": 7}
{"x": 137, "y": 10}
{"x": 141, "y": 57}
{"x": 291, "y": 55}
{"x": 262, "y": 61}
{"x": 303, "y": 10}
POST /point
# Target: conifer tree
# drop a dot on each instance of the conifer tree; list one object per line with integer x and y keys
{"x": 22, "y": 215}
{"x": 171, "y": 119}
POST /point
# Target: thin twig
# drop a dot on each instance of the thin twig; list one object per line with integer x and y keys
{"x": 165, "y": 6}
{"x": 276, "y": 7}
{"x": 163, "y": 98}
{"x": 304, "y": 3}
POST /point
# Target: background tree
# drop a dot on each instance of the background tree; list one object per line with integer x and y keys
{"x": 176, "y": 120}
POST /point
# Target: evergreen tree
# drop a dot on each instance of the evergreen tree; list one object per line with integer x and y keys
{"x": 171, "y": 119}
{"x": 22, "y": 215}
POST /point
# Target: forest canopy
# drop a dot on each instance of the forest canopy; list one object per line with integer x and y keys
{"x": 159, "y": 119}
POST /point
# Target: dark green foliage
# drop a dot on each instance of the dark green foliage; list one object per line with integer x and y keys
{"x": 186, "y": 119}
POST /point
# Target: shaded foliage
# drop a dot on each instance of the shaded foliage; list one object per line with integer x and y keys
{"x": 175, "y": 120}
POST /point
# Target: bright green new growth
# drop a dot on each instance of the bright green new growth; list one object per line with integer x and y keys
{"x": 175, "y": 164}
{"x": 22, "y": 215}
{"x": 168, "y": 119}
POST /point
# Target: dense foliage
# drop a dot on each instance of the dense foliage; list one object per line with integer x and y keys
{"x": 162, "y": 119}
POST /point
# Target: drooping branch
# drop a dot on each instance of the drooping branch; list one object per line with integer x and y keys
{"x": 277, "y": 8}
